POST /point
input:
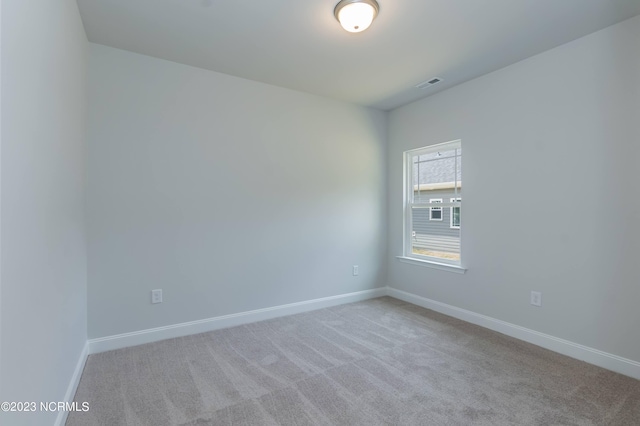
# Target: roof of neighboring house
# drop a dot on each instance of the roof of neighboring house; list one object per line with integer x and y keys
{"x": 437, "y": 170}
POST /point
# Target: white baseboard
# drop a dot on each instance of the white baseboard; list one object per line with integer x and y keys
{"x": 73, "y": 385}
{"x": 193, "y": 327}
{"x": 574, "y": 350}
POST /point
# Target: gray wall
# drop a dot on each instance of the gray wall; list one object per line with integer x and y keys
{"x": 228, "y": 194}
{"x": 554, "y": 134}
{"x": 43, "y": 263}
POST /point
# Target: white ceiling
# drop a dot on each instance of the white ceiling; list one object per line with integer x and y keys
{"x": 298, "y": 44}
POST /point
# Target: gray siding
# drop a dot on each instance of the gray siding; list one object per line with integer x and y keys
{"x": 437, "y": 243}
{"x": 436, "y": 234}
{"x": 421, "y": 222}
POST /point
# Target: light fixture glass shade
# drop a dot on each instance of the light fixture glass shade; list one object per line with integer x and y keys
{"x": 356, "y": 15}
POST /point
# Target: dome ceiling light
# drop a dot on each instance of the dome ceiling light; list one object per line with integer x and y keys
{"x": 356, "y": 15}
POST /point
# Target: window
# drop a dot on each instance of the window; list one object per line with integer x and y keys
{"x": 433, "y": 174}
{"x": 454, "y": 214}
{"x": 435, "y": 213}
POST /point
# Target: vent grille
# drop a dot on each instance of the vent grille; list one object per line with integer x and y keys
{"x": 429, "y": 83}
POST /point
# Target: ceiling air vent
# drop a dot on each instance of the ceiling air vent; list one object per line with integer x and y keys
{"x": 429, "y": 83}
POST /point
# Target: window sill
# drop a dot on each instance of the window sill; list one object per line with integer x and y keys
{"x": 434, "y": 265}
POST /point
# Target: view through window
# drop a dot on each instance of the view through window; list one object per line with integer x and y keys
{"x": 434, "y": 176}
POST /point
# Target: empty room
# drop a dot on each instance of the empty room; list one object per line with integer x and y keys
{"x": 220, "y": 212}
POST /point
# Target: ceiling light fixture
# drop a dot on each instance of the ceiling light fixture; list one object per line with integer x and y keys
{"x": 356, "y": 15}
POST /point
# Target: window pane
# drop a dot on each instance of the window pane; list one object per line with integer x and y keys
{"x": 434, "y": 238}
{"x": 455, "y": 216}
{"x": 434, "y": 171}
{"x": 454, "y": 212}
{"x": 435, "y": 212}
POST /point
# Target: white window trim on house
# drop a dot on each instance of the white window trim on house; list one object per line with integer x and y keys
{"x": 432, "y": 209}
{"x": 408, "y": 256}
{"x": 451, "y": 225}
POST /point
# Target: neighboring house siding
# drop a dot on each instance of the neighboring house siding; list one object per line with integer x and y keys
{"x": 436, "y": 234}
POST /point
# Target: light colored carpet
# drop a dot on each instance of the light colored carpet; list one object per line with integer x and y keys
{"x": 378, "y": 362}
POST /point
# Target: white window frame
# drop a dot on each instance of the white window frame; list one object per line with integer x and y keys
{"x": 409, "y": 204}
{"x": 451, "y": 225}
{"x": 438, "y": 209}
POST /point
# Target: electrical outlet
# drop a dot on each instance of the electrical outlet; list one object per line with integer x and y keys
{"x": 536, "y": 298}
{"x": 355, "y": 270}
{"x": 156, "y": 296}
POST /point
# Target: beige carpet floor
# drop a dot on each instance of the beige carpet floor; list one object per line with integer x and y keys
{"x": 378, "y": 362}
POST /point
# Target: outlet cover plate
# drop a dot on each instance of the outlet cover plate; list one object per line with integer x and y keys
{"x": 536, "y": 298}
